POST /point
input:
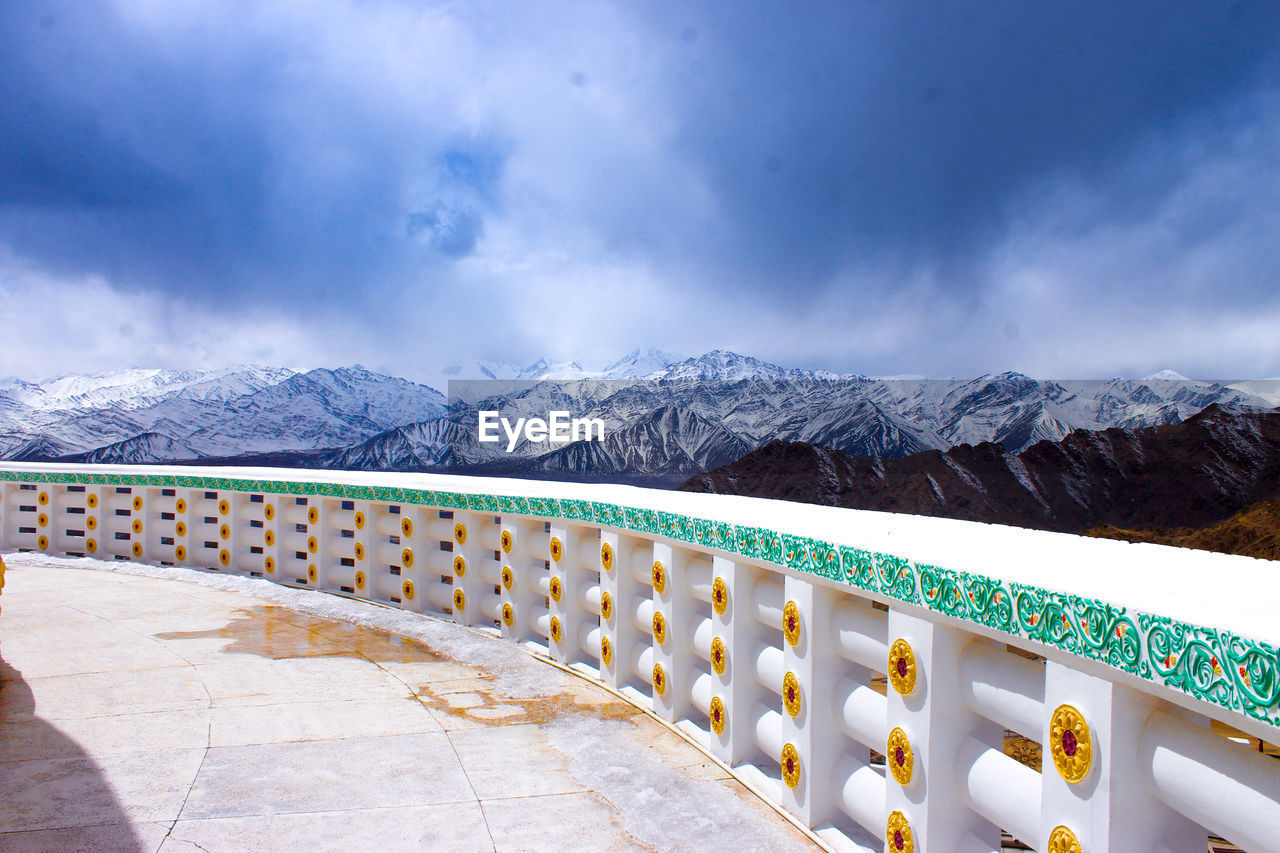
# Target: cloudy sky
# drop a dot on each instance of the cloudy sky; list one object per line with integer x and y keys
{"x": 1070, "y": 189}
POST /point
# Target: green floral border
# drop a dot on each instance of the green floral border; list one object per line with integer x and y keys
{"x": 1219, "y": 667}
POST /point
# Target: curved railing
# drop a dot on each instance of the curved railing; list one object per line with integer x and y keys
{"x": 889, "y": 680}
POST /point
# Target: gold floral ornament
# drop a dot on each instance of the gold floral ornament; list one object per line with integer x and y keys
{"x": 406, "y": 526}
{"x": 899, "y": 757}
{"x": 606, "y": 557}
{"x": 359, "y": 551}
{"x": 1070, "y": 744}
{"x": 659, "y": 628}
{"x": 224, "y": 557}
{"x": 406, "y": 590}
{"x": 312, "y": 572}
{"x": 269, "y": 563}
{"x": 224, "y": 532}
{"x": 460, "y": 533}
{"x": 42, "y": 542}
{"x": 92, "y": 523}
{"x": 359, "y": 520}
{"x": 659, "y": 577}
{"x": 42, "y": 520}
{"x": 460, "y": 565}
{"x": 224, "y": 507}
{"x": 791, "y": 623}
{"x": 719, "y": 596}
{"x": 506, "y": 541}
{"x": 136, "y": 549}
{"x": 91, "y": 545}
{"x": 137, "y": 503}
{"x": 359, "y": 580}
{"x": 313, "y": 515}
{"x": 557, "y": 549}
{"x": 269, "y": 537}
{"x": 791, "y": 693}
{"x": 606, "y": 651}
{"x": 556, "y": 630}
{"x": 92, "y": 501}
{"x": 1063, "y": 840}
{"x": 716, "y": 713}
{"x": 790, "y": 765}
{"x": 898, "y": 833}
{"x": 508, "y": 614}
{"x": 43, "y": 500}
{"x": 180, "y": 506}
{"x": 459, "y": 600}
{"x": 659, "y": 679}
{"x": 180, "y": 554}
{"x": 719, "y": 657}
{"x": 137, "y": 526}
{"x": 606, "y": 606}
{"x": 508, "y": 578}
{"x": 406, "y": 558}
{"x": 313, "y": 544}
{"x": 902, "y": 667}
{"x": 556, "y": 588}
{"x": 268, "y": 511}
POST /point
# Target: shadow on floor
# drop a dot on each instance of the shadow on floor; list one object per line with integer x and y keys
{"x": 55, "y": 796}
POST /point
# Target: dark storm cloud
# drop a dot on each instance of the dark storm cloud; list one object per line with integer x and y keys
{"x": 317, "y": 154}
{"x": 835, "y": 131}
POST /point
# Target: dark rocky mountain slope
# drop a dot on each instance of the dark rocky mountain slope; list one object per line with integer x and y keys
{"x": 1187, "y": 475}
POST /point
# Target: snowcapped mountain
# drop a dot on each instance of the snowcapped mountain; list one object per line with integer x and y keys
{"x": 640, "y": 363}
{"x": 181, "y": 415}
{"x": 724, "y": 366}
{"x": 137, "y": 389}
{"x": 662, "y": 415}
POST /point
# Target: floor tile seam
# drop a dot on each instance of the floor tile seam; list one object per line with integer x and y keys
{"x": 195, "y": 777}
{"x": 315, "y": 812}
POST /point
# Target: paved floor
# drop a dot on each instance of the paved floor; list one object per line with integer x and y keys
{"x": 143, "y": 713}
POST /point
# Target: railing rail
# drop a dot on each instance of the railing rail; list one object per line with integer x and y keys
{"x": 872, "y": 695}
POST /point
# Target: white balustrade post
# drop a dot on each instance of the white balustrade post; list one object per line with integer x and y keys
{"x": 524, "y": 553}
{"x": 272, "y": 541}
{"x": 1093, "y": 782}
{"x": 621, "y": 556}
{"x": 808, "y": 722}
{"x": 672, "y": 644}
{"x": 736, "y": 634}
{"x": 573, "y": 548}
{"x": 925, "y": 703}
{"x": 469, "y": 552}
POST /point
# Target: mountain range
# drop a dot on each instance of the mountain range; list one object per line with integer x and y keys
{"x": 1189, "y": 475}
{"x": 666, "y": 418}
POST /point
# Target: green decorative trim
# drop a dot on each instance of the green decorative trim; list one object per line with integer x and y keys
{"x": 1219, "y": 667}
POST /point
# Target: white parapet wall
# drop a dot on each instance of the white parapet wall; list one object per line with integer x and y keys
{"x": 895, "y": 682}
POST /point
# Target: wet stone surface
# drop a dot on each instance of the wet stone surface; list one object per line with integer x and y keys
{"x": 161, "y": 714}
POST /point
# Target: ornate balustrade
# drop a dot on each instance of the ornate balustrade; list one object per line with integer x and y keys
{"x": 893, "y": 682}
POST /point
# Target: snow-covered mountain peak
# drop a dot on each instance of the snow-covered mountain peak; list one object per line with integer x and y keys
{"x": 640, "y": 363}
{"x": 138, "y": 388}
{"x": 1166, "y": 376}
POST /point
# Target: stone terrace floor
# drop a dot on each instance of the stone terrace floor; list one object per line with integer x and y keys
{"x": 157, "y": 714}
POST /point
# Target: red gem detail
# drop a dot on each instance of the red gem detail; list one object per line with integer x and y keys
{"x": 902, "y": 667}
{"x": 899, "y": 756}
{"x": 791, "y": 624}
{"x": 1069, "y": 743}
{"x": 791, "y": 696}
{"x": 791, "y": 766}
{"x": 898, "y": 840}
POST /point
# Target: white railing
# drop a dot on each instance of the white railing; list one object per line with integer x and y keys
{"x": 872, "y": 694}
